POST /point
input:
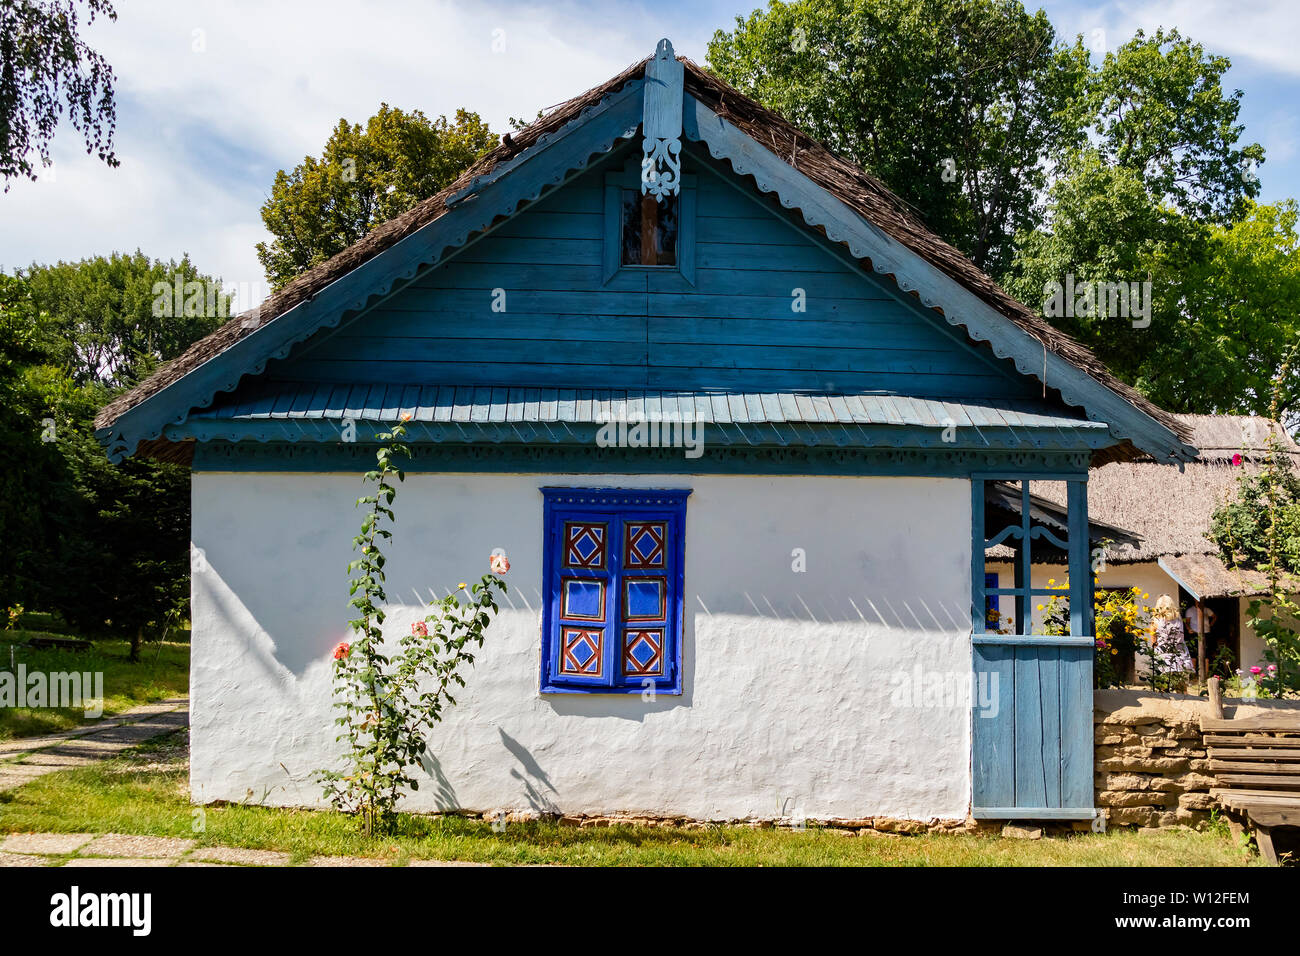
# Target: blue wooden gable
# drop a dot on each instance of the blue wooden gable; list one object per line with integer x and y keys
{"x": 772, "y": 308}
{"x": 512, "y": 285}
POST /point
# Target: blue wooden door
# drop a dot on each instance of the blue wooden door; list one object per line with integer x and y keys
{"x": 1031, "y": 715}
{"x": 1032, "y": 727}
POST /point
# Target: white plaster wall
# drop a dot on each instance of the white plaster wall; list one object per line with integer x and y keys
{"x": 788, "y": 676}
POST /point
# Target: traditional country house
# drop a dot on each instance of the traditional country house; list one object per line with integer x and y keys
{"x": 779, "y": 609}
{"x": 1157, "y": 521}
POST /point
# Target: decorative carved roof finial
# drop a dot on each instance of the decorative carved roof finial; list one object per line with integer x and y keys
{"x": 661, "y": 124}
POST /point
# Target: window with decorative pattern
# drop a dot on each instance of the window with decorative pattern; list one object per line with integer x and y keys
{"x": 612, "y": 602}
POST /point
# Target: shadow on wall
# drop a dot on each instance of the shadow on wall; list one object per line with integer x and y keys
{"x": 239, "y": 590}
{"x": 445, "y": 795}
{"x": 537, "y": 786}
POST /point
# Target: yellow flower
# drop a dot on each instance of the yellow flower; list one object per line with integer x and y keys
{"x": 1040, "y": 607}
{"x": 461, "y": 585}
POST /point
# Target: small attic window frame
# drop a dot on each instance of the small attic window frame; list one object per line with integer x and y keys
{"x": 628, "y": 178}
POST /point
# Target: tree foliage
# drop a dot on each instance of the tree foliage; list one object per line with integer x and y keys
{"x": 364, "y": 176}
{"x": 1157, "y": 107}
{"x": 111, "y": 319}
{"x": 952, "y": 104}
{"x": 105, "y": 545}
{"x": 45, "y": 67}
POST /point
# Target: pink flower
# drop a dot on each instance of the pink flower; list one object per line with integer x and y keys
{"x": 1237, "y": 459}
{"x": 498, "y": 562}
{"x": 1256, "y": 671}
{"x": 406, "y": 416}
{"x": 420, "y": 629}
{"x": 342, "y": 651}
{"x": 1272, "y": 668}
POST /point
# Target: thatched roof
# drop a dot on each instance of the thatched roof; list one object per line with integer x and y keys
{"x": 1172, "y": 510}
{"x": 855, "y": 188}
{"x": 1205, "y": 576}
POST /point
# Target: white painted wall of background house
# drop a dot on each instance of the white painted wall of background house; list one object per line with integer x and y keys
{"x": 788, "y": 676}
{"x": 1147, "y": 575}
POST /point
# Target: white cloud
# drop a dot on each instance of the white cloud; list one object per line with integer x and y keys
{"x": 205, "y": 118}
{"x": 1262, "y": 31}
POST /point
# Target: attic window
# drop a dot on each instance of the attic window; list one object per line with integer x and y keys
{"x": 649, "y": 229}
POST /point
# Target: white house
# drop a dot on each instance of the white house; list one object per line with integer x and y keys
{"x": 775, "y": 610}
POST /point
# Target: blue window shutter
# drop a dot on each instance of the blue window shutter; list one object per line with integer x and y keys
{"x": 613, "y": 604}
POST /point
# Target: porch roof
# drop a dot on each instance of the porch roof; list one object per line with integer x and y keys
{"x": 293, "y": 411}
{"x": 1205, "y": 576}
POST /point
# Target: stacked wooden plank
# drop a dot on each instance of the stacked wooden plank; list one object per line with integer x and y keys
{"x": 1256, "y": 766}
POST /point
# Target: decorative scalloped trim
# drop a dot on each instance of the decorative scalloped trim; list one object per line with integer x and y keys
{"x": 732, "y": 434}
{"x": 550, "y": 457}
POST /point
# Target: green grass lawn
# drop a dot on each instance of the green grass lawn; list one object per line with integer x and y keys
{"x": 163, "y": 671}
{"x": 145, "y": 792}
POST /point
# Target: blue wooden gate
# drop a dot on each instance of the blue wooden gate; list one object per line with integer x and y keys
{"x": 1032, "y": 727}
{"x": 1031, "y": 732}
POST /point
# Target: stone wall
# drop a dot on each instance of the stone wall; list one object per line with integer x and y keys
{"x": 1151, "y": 768}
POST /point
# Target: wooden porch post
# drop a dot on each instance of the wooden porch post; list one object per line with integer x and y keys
{"x": 1080, "y": 559}
{"x": 1200, "y": 640}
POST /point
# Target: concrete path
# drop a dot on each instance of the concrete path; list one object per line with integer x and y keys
{"x": 22, "y": 761}
{"x": 121, "y": 849}
{"x": 25, "y": 759}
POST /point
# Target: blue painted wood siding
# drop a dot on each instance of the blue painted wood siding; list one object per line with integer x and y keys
{"x": 1032, "y": 728}
{"x": 564, "y": 325}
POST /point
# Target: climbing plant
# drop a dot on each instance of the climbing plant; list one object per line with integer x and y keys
{"x": 1260, "y": 531}
{"x": 389, "y": 698}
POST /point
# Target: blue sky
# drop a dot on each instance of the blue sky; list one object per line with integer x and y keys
{"x": 216, "y": 95}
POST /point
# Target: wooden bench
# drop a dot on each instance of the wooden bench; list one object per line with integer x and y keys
{"x": 1256, "y": 766}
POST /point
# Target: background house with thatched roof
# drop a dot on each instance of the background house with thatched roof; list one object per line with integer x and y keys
{"x": 1159, "y": 519}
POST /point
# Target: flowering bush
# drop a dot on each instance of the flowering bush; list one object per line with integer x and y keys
{"x": 387, "y": 701}
{"x": 1122, "y": 624}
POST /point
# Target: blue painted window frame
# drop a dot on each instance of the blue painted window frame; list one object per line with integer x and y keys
{"x": 1076, "y": 546}
{"x": 629, "y": 177}
{"x": 617, "y": 511}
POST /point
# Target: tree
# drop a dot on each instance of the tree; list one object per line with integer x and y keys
{"x": 1163, "y": 194}
{"x": 111, "y": 319}
{"x": 45, "y": 65}
{"x": 365, "y": 177}
{"x": 1157, "y": 107}
{"x": 123, "y": 548}
{"x": 105, "y": 545}
{"x": 952, "y": 103}
{"x": 26, "y": 461}
{"x": 1231, "y": 319}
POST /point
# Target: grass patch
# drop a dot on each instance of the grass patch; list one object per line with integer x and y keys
{"x": 162, "y": 672}
{"x": 145, "y": 792}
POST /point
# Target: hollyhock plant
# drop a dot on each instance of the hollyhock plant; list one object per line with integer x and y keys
{"x": 498, "y": 562}
{"x": 1257, "y": 670}
{"x": 388, "y": 697}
